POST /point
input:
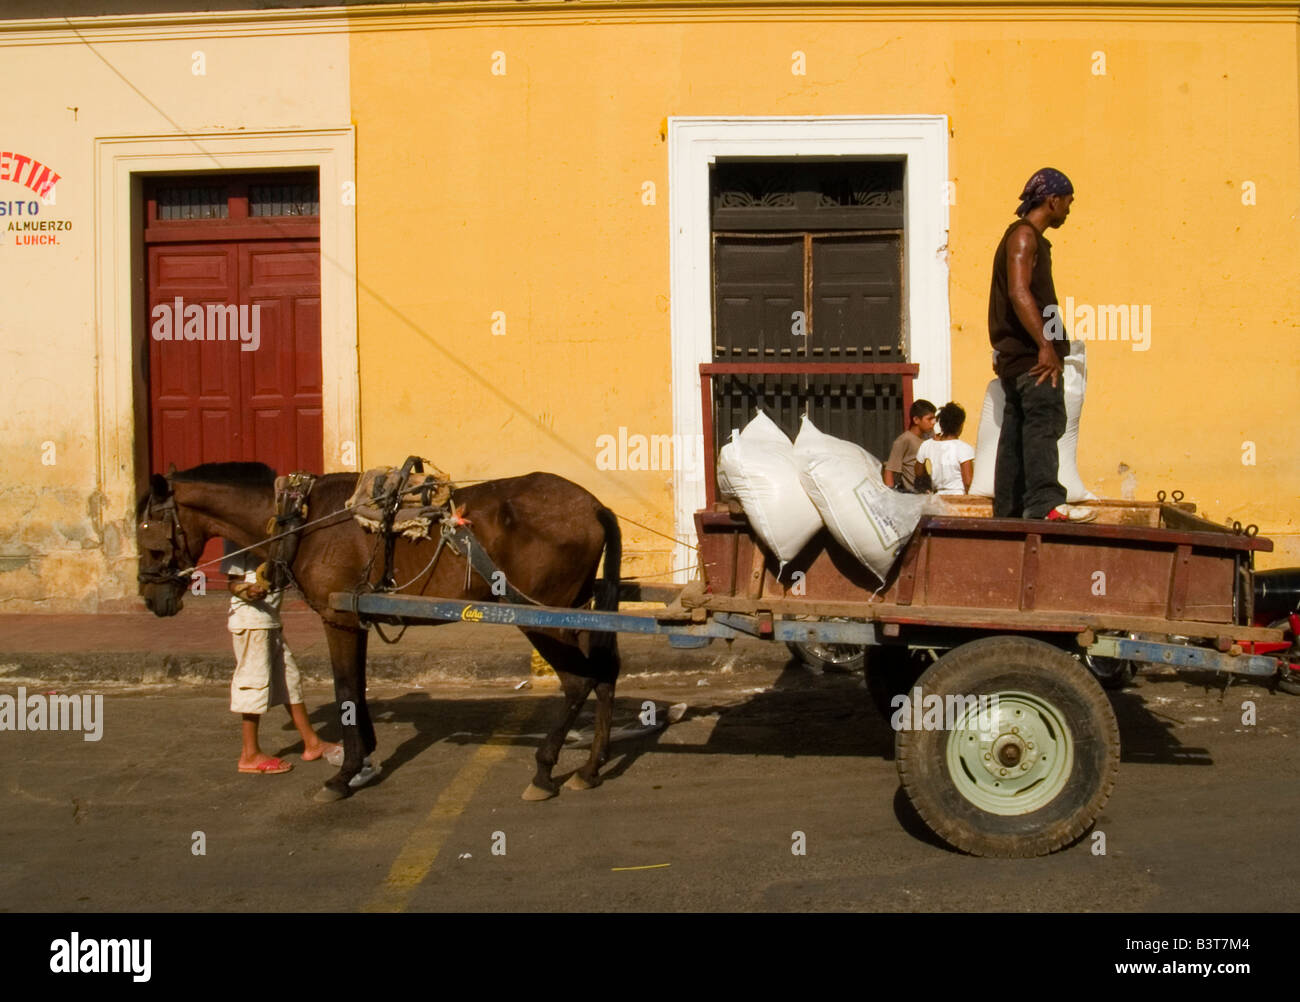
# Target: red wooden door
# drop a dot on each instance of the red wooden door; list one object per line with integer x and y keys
{"x": 194, "y": 386}
{"x": 281, "y": 385}
{"x": 210, "y": 400}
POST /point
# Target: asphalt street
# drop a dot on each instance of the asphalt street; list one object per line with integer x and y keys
{"x": 700, "y": 816}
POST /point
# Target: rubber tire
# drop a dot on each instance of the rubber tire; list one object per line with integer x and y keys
{"x": 1117, "y": 678}
{"x": 1008, "y": 663}
{"x": 892, "y": 671}
{"x": 1289, "y": 681}
{"x": 807, "y": 653}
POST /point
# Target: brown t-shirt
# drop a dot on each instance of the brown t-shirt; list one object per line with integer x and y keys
{"x": 1017, "y": 350}
{"x": 902, "y": 457}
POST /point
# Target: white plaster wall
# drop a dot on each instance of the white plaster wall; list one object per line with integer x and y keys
{"x": 65, "y": 526}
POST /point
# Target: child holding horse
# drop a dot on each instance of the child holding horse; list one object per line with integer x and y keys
{"x": 265, "y": 672}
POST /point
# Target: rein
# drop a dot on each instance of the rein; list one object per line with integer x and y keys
{"x": 168, "y": 508}
{"x": 454, "y": 534}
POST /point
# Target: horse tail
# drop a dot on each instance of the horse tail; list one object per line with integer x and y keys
{"x": 607, "y": 588}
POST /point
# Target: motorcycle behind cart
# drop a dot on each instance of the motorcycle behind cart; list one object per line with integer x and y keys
{"x": 988, "y": 644}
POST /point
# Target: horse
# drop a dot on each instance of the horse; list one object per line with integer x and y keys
{"x": 545, "y": 533}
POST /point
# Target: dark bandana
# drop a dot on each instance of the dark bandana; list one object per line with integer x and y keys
{"x": 1044, "y": 184}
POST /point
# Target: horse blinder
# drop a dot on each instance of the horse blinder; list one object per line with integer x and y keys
{"x": 168, "y": 572}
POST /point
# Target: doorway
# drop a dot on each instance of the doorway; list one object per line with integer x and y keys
{"x": 233, "y": 322}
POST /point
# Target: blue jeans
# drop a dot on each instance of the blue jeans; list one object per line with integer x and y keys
{"x": 1024, "y": 481}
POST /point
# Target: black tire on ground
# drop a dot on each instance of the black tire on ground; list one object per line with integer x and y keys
{"x": 829, "y": 657}
{"x": 1289, "y": 681}
{"x": 1112, "y": 673}
{"x": 1006, "y": 665}
{"x": 892, "y": 671}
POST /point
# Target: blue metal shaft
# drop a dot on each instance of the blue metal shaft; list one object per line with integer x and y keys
{"x": 727, "y": 626}
{"x": 1184, "y": 657}
{"x": 414, "y": 608}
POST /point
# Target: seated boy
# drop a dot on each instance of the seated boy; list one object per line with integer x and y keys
{"x": 900, "y": 469}
{"x": 946, "y": 461}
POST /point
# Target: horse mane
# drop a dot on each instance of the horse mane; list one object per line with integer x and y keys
{"x": 229, "y": 474}
{"x": 225, "y": 474}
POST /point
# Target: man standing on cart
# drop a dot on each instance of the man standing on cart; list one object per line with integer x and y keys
{"x": 1030, "y": 344}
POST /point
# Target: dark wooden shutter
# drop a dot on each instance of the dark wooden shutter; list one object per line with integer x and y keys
{"x": 824, "y": 239}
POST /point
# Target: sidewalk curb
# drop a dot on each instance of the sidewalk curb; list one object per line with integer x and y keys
{"x": 151, "y": 667}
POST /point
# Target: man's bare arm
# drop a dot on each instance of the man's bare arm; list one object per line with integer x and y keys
{"x": 1022, "y": 251}
{"x": 1022, "y": 248}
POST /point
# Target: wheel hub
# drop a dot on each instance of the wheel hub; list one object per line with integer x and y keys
{"x": 836, "y": 653}
{"x": 1012, "y": 756}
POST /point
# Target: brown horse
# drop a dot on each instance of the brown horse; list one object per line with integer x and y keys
{"x": 545, "y": 533}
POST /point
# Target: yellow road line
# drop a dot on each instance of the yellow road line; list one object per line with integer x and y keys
{"x": 652, "y": 866}
{"x": 421, "y": 849}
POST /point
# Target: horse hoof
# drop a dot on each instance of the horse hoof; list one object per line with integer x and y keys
{"x": 328, "y": 795}
{"x": 576, "y": 782}
{"x": 535, "y": 792}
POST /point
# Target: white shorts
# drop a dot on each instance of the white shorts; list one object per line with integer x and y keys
{"x": 266, "y": 674}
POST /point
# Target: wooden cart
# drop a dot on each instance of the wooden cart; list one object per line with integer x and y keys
{"x": 987, "y": 645}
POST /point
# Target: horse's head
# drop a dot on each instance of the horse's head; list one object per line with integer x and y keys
{"x": 167, "y": 552}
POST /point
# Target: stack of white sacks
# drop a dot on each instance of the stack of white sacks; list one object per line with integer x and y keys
{"x": 790, "y": 491}
{"x": 1067, "y": 446}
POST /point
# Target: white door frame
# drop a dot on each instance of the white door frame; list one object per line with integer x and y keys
{"x": 120, "y": 163}
{"x": 696, "y": 142}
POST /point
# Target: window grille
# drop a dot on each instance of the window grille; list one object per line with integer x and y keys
{"x": 193, "y": 203}
{"x": 284, "y": 200}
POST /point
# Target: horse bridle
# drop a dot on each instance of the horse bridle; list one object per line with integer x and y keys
{"x": 169, "y": 573}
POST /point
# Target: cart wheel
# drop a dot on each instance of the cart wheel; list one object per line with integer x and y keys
{"x": 1029, "y": 773}
{"x": 1112, "y": 673}
{"x": 891, "y": 672}
{"x": 829, "y": 657}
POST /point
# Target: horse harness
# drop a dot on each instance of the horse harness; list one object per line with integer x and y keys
{"x": 391, "y": 492}
{"x": 454, "y": 530}
{"x": 176, "y": 538}
{"x": 285, "y": 528}
{"x": 456, "y": 535}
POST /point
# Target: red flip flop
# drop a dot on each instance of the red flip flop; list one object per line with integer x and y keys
{"x": 269, "y": 767}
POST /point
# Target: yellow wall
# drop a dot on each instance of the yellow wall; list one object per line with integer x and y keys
{"x": 521, "y": 193}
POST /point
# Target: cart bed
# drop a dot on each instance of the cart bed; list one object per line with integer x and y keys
{"x": 1149, "y": 567}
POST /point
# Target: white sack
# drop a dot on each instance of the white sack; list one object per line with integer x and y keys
{"x": 868, "y": 519}
{"x": 986, "y": 439}
{"x": 1067, "y": 446}
{"x": 757, "y": 467}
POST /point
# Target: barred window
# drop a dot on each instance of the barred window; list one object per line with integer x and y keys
{"x": 193, "y": 203}
{"x": 284, "y": 200}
